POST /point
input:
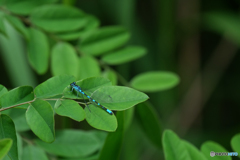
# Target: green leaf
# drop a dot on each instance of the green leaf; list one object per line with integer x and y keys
{"x": 64, "y": 59}
{"x": 100, "y": 135}
{"x": 118, "y": 98}
{"x": 19, "y": 146}
{"x": 41, "y": 121}
{"x": 194, "y": 153}
{"x": 18, "y": 25}
{"x": 91, "y": 157}
{"x": 150, "y": 125}
{"x": 88, "y": 85}
{"x": 114, "y": 139}
{"x": 38, "y": 51}
{"x": 24, "y": 7}
{"x": 2, "y": 26}
{"x": 5, "y": 145}
{"x": 7, "y": 130}
{"x": 3, "y": 90}
{"x": 100, "y": 119}
{"x": 70, "y": 108}
{"x": 128, "y": 117}
{"x": 209, "y": 146}
{"x": 225, "y": 23}
{"x": 53, "y": 86}
{"x": 155, "y": 81}
{"x": 71, "y": 143}
{"x": 235, "y": 143}
{"x": 124, "y": 55}
{"x": 16, "y": 96}
{"x": 58, "y": 18}
{"x": 111, "y": 75}
{"x": 18, "y": 117}
{"x": 31, "y": 152}
{"x": 173, "y": 147}
{"x": 177, "y": 149}
{"x": 92, "y": 24}
{"x": 104, "y": 40}
{"x": 88, "y": 67}
{"x": 69, "y": 36}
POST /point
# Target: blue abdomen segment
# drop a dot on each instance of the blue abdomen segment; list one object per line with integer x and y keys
{"x": 109, "y": 111}
{"x": 79, "y": 90}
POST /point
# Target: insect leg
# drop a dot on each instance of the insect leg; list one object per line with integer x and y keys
{"x": 86, "y": 103}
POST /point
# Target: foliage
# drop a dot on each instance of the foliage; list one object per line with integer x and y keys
{"x": 70, "y": 44}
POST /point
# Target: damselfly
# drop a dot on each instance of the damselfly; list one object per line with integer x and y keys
{"x": 79, "y": 90}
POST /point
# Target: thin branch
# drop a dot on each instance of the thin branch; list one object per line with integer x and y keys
{"x": 3, "y": 109}
{"x": 52, "y": 99}
{"x": 193, "y": 102}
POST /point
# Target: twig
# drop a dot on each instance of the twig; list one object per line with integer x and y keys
{"x": 193, "y": 102}
{"x": 17, "y": 105}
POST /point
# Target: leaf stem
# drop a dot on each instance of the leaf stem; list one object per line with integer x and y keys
{"x": 52, "y": 99}
{"x": 3, "y": 109}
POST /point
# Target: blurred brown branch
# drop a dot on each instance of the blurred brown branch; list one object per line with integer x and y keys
{"x": 203, "y": 85}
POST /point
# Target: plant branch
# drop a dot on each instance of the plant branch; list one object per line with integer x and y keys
{"x": 196, "y": 97}
{"x": 3, "y": 109}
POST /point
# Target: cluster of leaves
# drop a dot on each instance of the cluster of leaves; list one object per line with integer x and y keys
{"x": 76, "y": 42}
{"x": 176, "y": 148}
{"x": 74, "y": 33}
{"x": 73, "y": 43}
{"x": 40, "y": 114}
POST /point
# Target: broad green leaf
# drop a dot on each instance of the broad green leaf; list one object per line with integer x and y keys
{"x": 194, "y": 153}
{"x": 19, "y": 146}
{"x": 16, "y": 96}
{"x": 88, "y": 85}
{"x": 155, "y": 81}
{"x": 3, "y": 90}
{"x": 70, "y": 108}
{"x": 91, "y": 157}
{"x": 71, "y": 143}
{"x": 18, "y": 117}
{"x": 100, "y": 135}
{"x": 53, "y": 86}
{"x": 2, "y": 26}
{"x": 111, "y": 75}
{"x": 7, "y": 130}
{"x": 31, "y": 152}
{"x": 64, "y": 59}
{"x": 58, "y": 18}
{"x": 210, "y": 146}
{"x": 173, "y": 147}
{"x": 88, "y": 67}
{"x": 235, "y": 143}
{"x": 6, "y": 158}
{"x": 38, "y": 51}
{"x": 118, "y": 98}
{"x": 5, "y": 145}
{"x": 2, "y": 2}
{"x": 124, "y": 55}
{"x": 128, "y": 117}
{"x": 69, "y": 36}
{"x": 92, "y": 24}
{"x": 150, "y": 123}
{"x": 24, "y": 7}
{"x": 100, "y": 119}
{"x": 224, "y": 23}
{"x": 18, "y": 25}
{"x": 114, "y": 139}
{"x": 104, "y": 40}
{"x": 41, "y": 121}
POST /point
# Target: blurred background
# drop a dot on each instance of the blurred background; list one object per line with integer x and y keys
{"x": 198, "y": 40}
